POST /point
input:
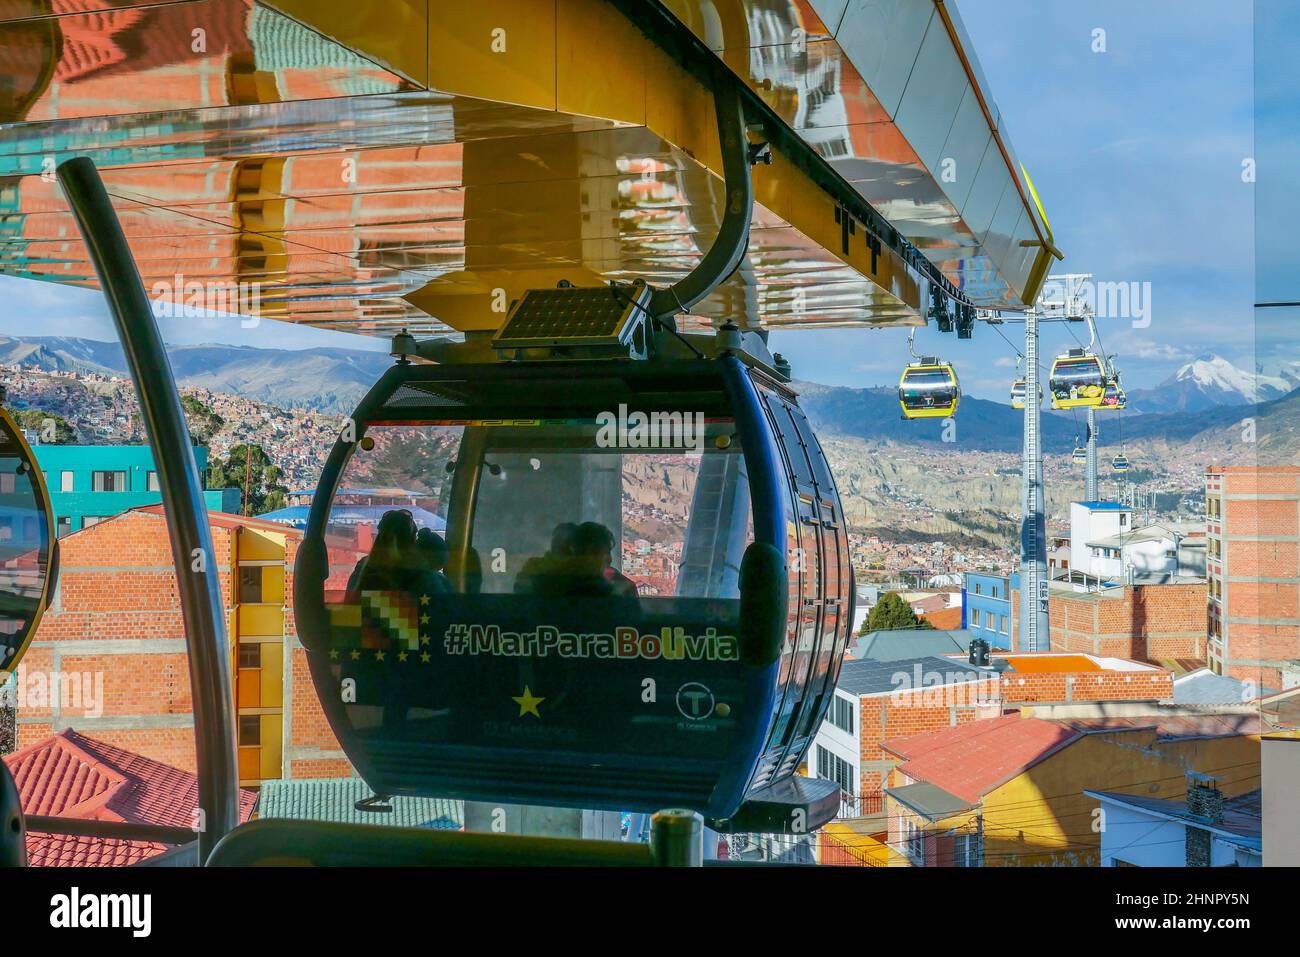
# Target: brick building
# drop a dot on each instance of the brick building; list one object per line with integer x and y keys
{"x": 1253, "y": 569}
{"x": 109, "y": 656}
{"x": 875, "y": 700}
{"x": 1140, "y": 622}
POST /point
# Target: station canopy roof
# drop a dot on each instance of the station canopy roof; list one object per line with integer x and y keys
{"x": 375, "y": 165}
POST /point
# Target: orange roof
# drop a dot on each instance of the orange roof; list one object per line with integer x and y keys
{"x": 970, "y": 760}
{"x": 945, "y": 619}
{"x": 1048, "y": 663}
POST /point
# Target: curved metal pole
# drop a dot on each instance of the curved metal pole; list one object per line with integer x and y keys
{"x": 732, "y": 241}
{"x": 178, "y": 478}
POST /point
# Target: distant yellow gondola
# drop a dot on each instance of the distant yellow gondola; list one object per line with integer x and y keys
{"x": 1120, "y": 463}
{"x": 929, "y": 389}
{"x": 1078, "y": 380}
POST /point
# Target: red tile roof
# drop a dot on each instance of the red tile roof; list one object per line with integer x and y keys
{"x": 972, "y": 759}
{"x": 71, "y": 775}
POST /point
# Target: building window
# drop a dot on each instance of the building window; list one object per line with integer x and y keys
{"x": 250, "y": 585}
{"x": 250, "y": 730}
{"x": 831, "y": 767}
{"x": 1123, "y": 520}
{"x": 913, "y": 840}
{"x": 151, "y": 482}
{"x": 966, "y": 850}
{"x": 842, "y": 713}
{"x": 65, "y": 481}
{"x": 250, "y": 655}
{"x": 1002, "y": 624}
{"x": 978, "y": 588}
{"x": 63, "y": 526}
{"x": 89, "y": 520}
{"x": 106, "y": 481}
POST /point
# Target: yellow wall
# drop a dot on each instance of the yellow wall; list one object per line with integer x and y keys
{"x": 260, "y": 690}
{"x": 1043, "y": 817}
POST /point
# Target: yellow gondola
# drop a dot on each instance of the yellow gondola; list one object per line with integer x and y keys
{"x": 1078, "y": 380}
{"x": 1120, "y": 463}
{"x": 929, "y": 389}
{"x": 1018, "y": 394}
{"x": 1080, "y": 455}
{"x": 1114, "y": 396}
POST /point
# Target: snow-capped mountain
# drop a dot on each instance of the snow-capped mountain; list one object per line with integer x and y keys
{"x": 1209, "y": 381}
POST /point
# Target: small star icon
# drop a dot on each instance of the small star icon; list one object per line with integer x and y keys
{"x": 401, "y": 656}
{"x": 424, "y": 657}
{"x": 424, "y": 599}
{"x": 424, "y": 619}
{"x": 424, "y": 639}
{"x": 379, "y": 656}
{"x": 356, "y": 655}
{"x": 528, "y": 703}
{"x": 334, "y": 654}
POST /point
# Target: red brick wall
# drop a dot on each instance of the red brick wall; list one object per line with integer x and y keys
{"x": 1143, "y": 622}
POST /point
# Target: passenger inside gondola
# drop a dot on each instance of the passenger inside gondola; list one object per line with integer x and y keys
{"x": 390, "y": 566}
{"x": 431, "y": 548}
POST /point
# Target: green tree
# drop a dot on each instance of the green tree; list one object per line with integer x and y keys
{"x": 249, "y": 468}
{"x": 892, "y": 612}
{"x": 50, "y": 429}
{"x": 203, "y": 422}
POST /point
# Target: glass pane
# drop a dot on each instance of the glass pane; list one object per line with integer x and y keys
{"x": 24, "y": 547}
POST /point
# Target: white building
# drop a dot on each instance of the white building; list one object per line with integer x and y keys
{"x": 1204, "y": 830}
{"x": 1104, "y": 545}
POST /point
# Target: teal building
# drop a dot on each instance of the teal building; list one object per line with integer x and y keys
{"x": 89, "y": 483}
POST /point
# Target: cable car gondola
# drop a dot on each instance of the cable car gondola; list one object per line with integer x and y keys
{"x": 1120, "y": 463}
{"x": 1018, "y": 394}
{"x": 28, "y": 549}
{"x": 1080, "y": 455}
{"x": 1114, "y": 396}
{"x": 928, "y": 388}
{"x": 1078, "y": 380}
{"x": 529, "y": 667}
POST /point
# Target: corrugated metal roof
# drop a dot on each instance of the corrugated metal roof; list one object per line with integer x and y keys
{"x": 897, "y": 644}
{"x": 934, "y": 802}
{"x": 869, "y": 677}
{"x": 334, "y": 799}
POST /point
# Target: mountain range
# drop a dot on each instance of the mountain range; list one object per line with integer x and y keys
{"x": 1206, "y": 395}
{"x": 1210, "y": 380}
{"x": 327, "y": 380}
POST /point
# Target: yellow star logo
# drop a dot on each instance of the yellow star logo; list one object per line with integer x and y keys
{"x": 424, "y": 657}
{"x": 424, "y": 599}
{"x": 334, "y": 654}
{"x": 356, "y": 655}
{"x": 528, "y": 703}
{"x": 379, "y": 656}
{"x": 401, "y": 656}
{"x": 424, "y": 619}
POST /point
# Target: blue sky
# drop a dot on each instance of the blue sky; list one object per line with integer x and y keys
{"x": 1136, "y": 153}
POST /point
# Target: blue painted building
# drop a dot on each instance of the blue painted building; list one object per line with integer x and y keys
{"x": 986, "y": 607}
{"x": 89, "y": 483}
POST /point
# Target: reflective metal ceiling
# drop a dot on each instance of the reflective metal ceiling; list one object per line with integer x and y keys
{"x": 373, "y": 165}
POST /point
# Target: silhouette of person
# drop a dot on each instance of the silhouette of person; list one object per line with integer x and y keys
{"x": 432, "y": 551}
{"x": 541, "y": 574}
{"x": 390, "y": 564}
{"x": 598, "y": 541}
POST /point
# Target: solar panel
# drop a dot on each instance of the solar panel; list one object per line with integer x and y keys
{"x": 599, "y": 316}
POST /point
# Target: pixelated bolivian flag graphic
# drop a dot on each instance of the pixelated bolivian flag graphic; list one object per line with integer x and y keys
{"x": 380, "y": 619}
